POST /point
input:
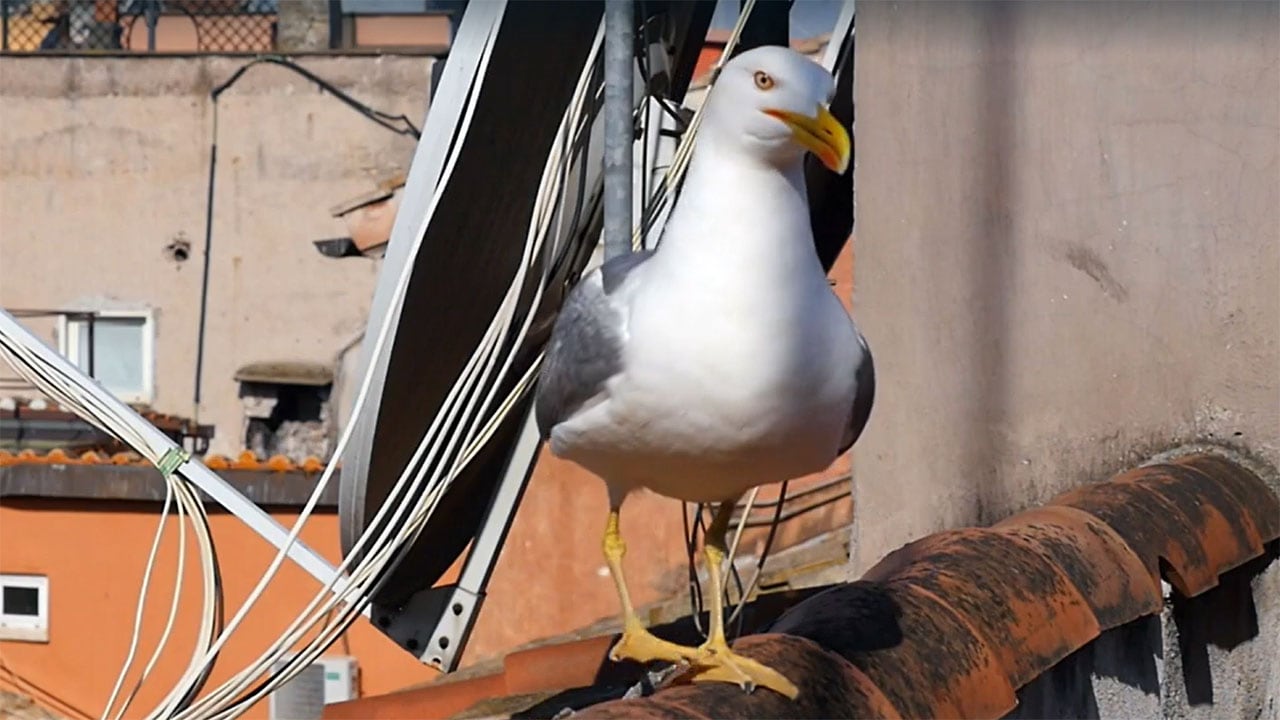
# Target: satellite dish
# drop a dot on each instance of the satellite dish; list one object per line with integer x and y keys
{"x": 465, "y": 262}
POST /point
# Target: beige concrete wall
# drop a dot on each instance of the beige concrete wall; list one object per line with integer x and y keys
{"x": 1068, "y": 221}
{"x": 104, "y": 161}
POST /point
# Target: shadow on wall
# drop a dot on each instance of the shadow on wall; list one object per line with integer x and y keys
{"x": 993, "y": 259}
{"x": 1118, "y": 674}
{"x": 1125, "y": 657}
{"x": 1225, "y": 618}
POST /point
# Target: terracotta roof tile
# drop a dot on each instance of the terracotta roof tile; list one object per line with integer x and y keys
{"x": 985, "y": 611}
{"x": 246, "y": 460}
{"x": 1110, "y": 577}
{"x": 538, "y": 671}
{"x": 951, "y": 625}
{"x": 60, "y": 437}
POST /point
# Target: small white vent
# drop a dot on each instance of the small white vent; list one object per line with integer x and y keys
{"x": 328, "y": 680}
{"x": 302, "y": 698}
{"x": 339, "y": 678}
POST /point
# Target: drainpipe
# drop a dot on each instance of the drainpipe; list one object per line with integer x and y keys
{"x": 151, "y": 13}
{"x": 619, "y": 128}
{"x": 208, "y": 246}
{"x": 335, "y": 24}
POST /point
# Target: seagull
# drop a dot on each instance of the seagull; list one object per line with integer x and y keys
{"x": 723, "y": 360}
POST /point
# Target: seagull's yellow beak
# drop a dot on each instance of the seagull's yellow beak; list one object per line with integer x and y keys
{"x": 823, "y": 135}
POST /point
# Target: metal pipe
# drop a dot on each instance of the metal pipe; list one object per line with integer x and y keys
{"x": 335, "y": 24}
{"x": 619, "y": 127}
{"x": 204, "y": 278}
{"x": 151, "y": 13}
{"x": 93, "y": 369}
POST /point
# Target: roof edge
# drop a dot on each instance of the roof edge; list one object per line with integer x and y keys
{"x": 142, "y": 483}
{"x": 955, "y": 623}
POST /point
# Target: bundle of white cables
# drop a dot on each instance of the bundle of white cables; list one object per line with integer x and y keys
{"x": 469, "y": 415}
{"x": 72, "y": 390}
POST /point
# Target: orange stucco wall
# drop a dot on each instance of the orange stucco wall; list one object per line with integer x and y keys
{"x": 94, "y": 555}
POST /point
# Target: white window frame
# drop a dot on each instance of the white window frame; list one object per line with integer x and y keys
{"x": 26, "y": 627}
{"x": 68, "y": 345}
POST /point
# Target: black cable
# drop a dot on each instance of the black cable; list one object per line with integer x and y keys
{"x": 208, "y": 249}
{"x": 383, "y": 119}
{"x": 643, "y": 57}
{"x": 681, "y": 121}
{"x": 386, "y": 120}
{"x": 792, "y": 514}
{"x": 834, "y": 482}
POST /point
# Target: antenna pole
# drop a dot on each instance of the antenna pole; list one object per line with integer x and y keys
{"x": 619, "y": 127}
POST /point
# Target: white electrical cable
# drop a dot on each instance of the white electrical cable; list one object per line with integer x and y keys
{"x": 169, "y": 622}
{"x": 196, "y": 670}
{"x": 492, "y": 337}
{"x": 91, "y": 401}
{"x": 142, "y": 599}
{"x": 542, "y": 215}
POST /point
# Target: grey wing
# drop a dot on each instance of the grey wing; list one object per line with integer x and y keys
{"x": 864, "y": 396}
{"x": 586, "y": 344}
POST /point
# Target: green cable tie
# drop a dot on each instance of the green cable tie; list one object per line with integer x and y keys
{"x": 172, "y": 460}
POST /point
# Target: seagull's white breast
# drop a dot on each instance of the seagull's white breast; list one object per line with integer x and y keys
{"x": 738, "y": 364}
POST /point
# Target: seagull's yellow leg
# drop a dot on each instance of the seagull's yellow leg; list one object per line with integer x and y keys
{"x": 636, "y": 643}
{"x": 715, "y": 660}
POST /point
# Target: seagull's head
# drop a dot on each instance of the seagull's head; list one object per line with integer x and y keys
{"x": 773, "y": 102}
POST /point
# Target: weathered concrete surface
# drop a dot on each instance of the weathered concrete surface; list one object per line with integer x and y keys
{"x": 303, "y": 26}
{"x": 1068, "y": 221}
{"x": 105, "y": 161}
{"x": 1068, "y": 259}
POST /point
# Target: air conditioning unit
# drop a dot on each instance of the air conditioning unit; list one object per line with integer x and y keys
{"x": 328, "y": 680}
{"x": 340, "y": 675}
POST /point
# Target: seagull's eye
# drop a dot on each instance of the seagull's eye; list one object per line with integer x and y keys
{"x": 763, "y": 80}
